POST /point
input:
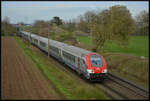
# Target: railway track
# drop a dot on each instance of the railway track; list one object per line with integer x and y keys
{"x": 116, "y": 87}
{"x": 119, "y": 88}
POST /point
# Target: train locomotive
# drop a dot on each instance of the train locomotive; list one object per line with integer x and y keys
{"x": 89, "y": 64}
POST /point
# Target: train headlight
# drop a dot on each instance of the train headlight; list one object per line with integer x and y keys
{"x": 90, "y": 71}
{"x": 104, "y": 71}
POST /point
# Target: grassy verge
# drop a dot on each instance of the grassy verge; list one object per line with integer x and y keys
{"x": 69, "y": 86}
{"x": 130, "y": 67}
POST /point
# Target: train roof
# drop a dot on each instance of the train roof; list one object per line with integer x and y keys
{"x": 77, "y": 50}
{"x": 67, "y": 47}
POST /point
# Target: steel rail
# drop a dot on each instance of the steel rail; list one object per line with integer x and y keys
{"x": 129, "y": 82}
{"x": 129, "y": 85}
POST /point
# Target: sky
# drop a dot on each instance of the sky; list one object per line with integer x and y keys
{"x": 29, "y": 11}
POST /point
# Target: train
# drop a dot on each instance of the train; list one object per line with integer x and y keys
{"x": 89, "y": 64}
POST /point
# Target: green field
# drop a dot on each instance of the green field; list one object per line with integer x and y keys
{"x": 138, "y": 46}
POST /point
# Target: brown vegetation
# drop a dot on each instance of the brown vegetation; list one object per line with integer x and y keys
{"x": 131, "y": 67}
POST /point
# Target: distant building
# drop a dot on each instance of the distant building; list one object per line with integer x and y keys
{"x": 21, "y": 24}
{"x": 27, "y": 25}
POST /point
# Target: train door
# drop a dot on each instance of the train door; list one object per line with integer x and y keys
{"x": 32, "y": 40}
{"x": 38, "y": 41}
{"x": 83, "y": 66}
{"x": 79, "y": 65}
{"x": 61, "y": 52}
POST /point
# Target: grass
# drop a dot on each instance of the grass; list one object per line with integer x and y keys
{"x": 71, "y": 87}
{"x": 130, "y": 67}
{"x": 84, "y": 39}
{"x": 138, "y": 46}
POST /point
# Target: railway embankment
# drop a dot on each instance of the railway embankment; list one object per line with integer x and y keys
{"x": 133, "y": 68}
{"x": 67, "y": 82}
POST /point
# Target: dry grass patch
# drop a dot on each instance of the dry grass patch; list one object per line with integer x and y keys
{"x": 131, "y": 67}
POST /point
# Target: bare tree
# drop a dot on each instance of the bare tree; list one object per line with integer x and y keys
{"x": 6, "y": 20}
{"x": 142, "y": 22}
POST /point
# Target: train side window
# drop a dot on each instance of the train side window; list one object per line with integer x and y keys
{"x": 42, "y": 44}
{"x": 36, "y": 41}
{"x": 83, "y": 63}
{"x": 54, "y": 49}
{"x": 68, "y": 56}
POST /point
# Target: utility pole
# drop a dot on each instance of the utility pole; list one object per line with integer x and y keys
{"x": 39, "y": 35}
{"x": 48, "y": 41}
{"x": 26, "y": 20}
{"x": 20, "y": 30}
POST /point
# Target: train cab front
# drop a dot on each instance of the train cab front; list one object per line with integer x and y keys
{"x": 96, "y": 67}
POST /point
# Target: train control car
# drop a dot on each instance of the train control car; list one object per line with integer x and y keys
{"x": 89, "y": 64}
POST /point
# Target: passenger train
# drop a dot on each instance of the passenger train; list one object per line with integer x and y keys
{"x": 89, "y": 64}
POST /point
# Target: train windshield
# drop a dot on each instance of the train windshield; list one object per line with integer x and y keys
{"x": 96, "y": 61}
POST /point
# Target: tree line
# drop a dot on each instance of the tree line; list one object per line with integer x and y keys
{"x": 114, "y": 23}
{"x": 7, "y": 29}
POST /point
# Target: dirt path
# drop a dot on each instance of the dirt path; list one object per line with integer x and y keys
{"x": 20, "y": 78}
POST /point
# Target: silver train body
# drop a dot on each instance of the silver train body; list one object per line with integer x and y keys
{"x": 68, "y": 54}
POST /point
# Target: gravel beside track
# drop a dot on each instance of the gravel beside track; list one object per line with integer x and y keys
{"x": 20, "y": 78}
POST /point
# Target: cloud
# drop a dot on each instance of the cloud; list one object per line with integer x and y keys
{"x": 17, "y": 11}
